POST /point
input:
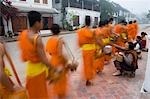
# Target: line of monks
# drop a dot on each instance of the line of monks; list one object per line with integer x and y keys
{"x": 89, "y": 39}
{"x": 91, "y": 42}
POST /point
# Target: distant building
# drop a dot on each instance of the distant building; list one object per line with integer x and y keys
{"x": 122, "y": 13}
{"x": 73, "y": 12}
{"x": 20, "y": 22}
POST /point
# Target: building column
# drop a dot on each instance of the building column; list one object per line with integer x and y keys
{"x": 68, "y": 3}
{"x": 82, "y": 4}
{"x": 9, "y": 28}
{"x": 92, "y": 6}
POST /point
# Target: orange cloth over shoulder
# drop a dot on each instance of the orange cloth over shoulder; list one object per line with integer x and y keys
{"x": 136, "y": 29}
{"x": 119, "y": 29}
{"x": 131, "y": 32}
{"x": 85, "y": 36}
{"x": 28, "y": 50}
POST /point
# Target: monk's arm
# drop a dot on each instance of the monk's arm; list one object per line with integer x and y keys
{"x": 41, "y": 52}
{"x": 99, "y": 41}
{"x": 118, "y": 47}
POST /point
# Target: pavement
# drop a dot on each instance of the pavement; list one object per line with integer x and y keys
{"x": 43, "y": 34}
{"x": 105, "y": 86}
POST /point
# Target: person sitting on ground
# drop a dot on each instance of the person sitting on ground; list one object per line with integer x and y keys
{"x": 138, "y": 46}
{"x": 126, "y": 59}
{"x": 143, "y": 37}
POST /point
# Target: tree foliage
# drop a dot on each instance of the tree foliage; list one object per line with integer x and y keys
{"x": 107, "y": 9}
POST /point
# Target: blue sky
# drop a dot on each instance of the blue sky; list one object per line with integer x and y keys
{"x": 135, "y": 6}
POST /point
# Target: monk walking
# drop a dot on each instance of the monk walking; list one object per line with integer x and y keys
{"x": 135, "y": 24}
{"x": 121, "y": 30}
{"x": 87, "y": 43}
{"x": 99, "y": 60}
{"x": 32, "y": 51}
{"x": 54, "y": 48}
{"x": 107, "y": 30}
{"x": 131, "y": 31}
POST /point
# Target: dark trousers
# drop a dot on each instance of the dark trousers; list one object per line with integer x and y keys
{"x": 123, "y": 66}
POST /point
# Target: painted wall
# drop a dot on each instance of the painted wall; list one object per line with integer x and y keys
{"x": 82, "y": 13}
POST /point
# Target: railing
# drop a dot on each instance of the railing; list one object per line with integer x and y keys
{"x": 76, "y": 5}
{"x": 89, "y": 5}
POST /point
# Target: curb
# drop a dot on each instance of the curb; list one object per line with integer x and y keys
{"x": 42, "y": 35}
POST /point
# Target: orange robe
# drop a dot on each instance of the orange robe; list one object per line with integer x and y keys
{"x": 85, "y": 36}
{"x": 119, "y": 29}
{"x": 54, "y": 48}
{"x": 111, "y": 27}
{"x": 29, "y": 54}
{"x": 131, "y": 32}
{"x": 99, "y": 62}
{"x": 136, "y": 29}
{"x": 107, "y": 34}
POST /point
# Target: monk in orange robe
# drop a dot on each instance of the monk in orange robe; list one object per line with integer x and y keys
{"x": 33, "y": 54}
{"x": 107, "y": 30}
{"x": 136, "y": 28}
{"x": 120, "y": 29}
{"x": 54, "y": 48}
{"x": 112, "y": 34}
{"x": 131, "y": 31}
{"x": 99, "y": 61}
{"x": 87, "y": 43}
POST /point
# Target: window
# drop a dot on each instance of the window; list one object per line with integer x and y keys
{"x": 76, "y": 20}
{"x": 37, "y": 1}
{"x": 22, "y": 0}
{"x": 45, "y": 2}
{"x": 47, "y": 22}
{"x": 96, "y": 21}
{"x": 57, "y": 1}
{"x": 21, "y": 22}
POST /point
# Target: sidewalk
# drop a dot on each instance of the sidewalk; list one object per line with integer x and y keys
{"x": 9, "y": 39}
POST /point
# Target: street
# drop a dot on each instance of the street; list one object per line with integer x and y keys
{"x": 105, "y": 85}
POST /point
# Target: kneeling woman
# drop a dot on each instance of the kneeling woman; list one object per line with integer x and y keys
{"x": 126, "y": 60}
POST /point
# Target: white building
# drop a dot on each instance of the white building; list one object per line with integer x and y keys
{"x": 74, "y": 12}
{"x": 20, "y": 22}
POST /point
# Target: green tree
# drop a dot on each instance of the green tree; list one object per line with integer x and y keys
{"x": 107, "y": 9}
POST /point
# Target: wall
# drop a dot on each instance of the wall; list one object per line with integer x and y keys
{"x": 28, "y": 5}
{"x": 58, "y": 17}
{"x": 82, "y": 13}
{"x": 32, "y": 4}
